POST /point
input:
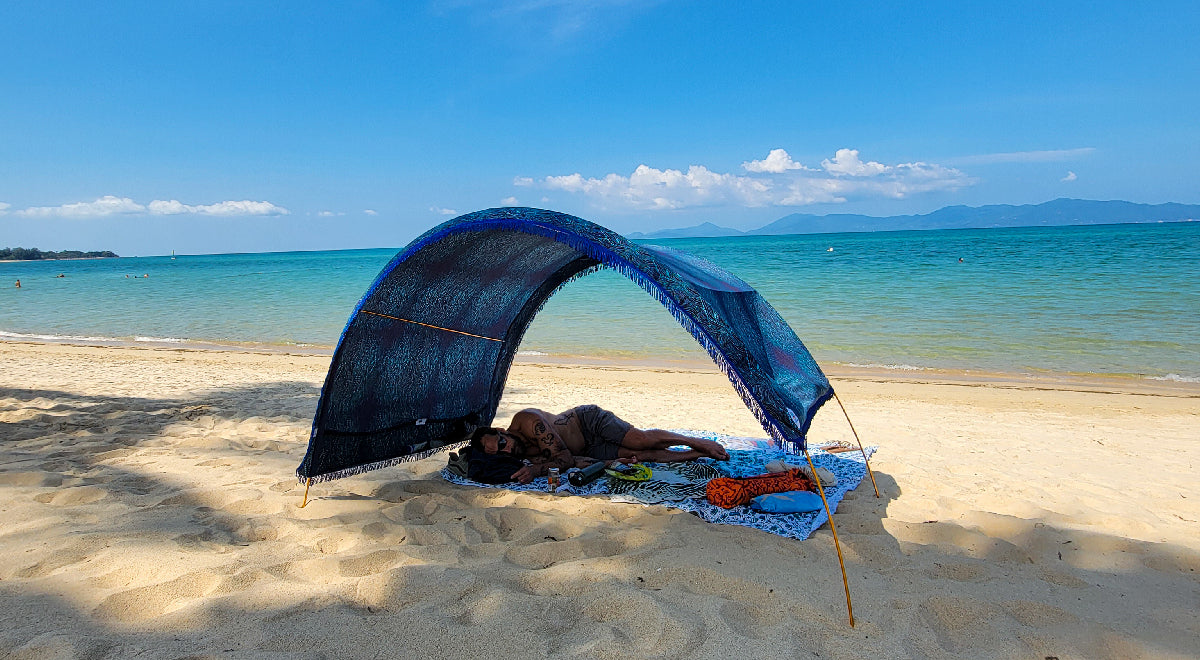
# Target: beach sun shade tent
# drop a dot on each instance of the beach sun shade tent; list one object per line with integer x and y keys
{"x": 423, "y": 360}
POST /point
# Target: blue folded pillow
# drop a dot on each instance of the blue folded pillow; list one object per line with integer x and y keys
{"x": 796, "y": 501}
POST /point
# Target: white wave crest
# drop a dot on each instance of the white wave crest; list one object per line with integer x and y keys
{"x": 895, "y": 367}
{"x": 4, "y": 334}
{"x": 22, "y": 335}
{"x": 1177, "y": 378}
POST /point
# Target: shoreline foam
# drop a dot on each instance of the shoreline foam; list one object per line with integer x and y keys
{"x": 1117, "y": 383}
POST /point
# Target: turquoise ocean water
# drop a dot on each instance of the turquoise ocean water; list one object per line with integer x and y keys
{"x": 1113, "y": 299}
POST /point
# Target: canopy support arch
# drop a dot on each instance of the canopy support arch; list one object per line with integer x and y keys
{"x": 424, "y": 357}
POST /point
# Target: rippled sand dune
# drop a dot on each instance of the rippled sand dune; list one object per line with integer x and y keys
{"x": 148, "y": 508}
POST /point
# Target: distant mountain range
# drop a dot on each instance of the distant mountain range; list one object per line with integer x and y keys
{"x": 1054, "y": 213}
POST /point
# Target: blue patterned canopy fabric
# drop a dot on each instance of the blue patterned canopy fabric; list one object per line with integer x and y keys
{"x": 425, "y": 355}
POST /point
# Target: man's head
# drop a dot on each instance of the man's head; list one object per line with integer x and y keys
{"x": 491, "y": 440}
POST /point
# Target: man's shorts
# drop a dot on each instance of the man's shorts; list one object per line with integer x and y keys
{"x": 602, "y": 432}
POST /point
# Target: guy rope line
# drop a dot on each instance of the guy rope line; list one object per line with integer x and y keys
{"x": 860, "y": 444}
{"x": 837, "y": 544}
{"x": 427, "y": 325}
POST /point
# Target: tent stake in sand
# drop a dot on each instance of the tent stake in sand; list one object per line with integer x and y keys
{"x": 836, "y": 544}
{"x": 860, "y": 448}
{"x": 307, "y": 483}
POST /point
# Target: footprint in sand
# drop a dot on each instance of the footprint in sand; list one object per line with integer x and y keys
{"x": 42, "y": 479}
{"x": 548, "y": 552}
{"x": 137, "y": 485}
{"x": 333, "y": 542}
{"x": 155, "y": 600}
{"x": 510, "y": 523}
{"x": 748, "y": 620}
{"x": 419, "y": 583}
{"x": 392, "y": 492}
{"x": 959, "y": 572}
{"x": 76, "y": 496}
{"x": 380, "y": 531}
{"x": 371, "y": 563}
{"x": 203, "y": 541}
{"x": 254, "y": 507}
{"x": 961, "y": 623}
{"x": 62, "y": 645}
{"x": 653, "y": 628}
{"x": 1039, "y": 615}
{"x": 257, "y": 531}
{"x": 68, "y": 555}
{"x": 490, "y": 607}
{"x": 1062, "y": 579}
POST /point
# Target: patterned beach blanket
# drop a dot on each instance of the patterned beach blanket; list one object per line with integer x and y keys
{"x": 681, "y": 485}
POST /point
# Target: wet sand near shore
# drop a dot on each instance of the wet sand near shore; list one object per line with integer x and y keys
{"x": 150, "y": 508}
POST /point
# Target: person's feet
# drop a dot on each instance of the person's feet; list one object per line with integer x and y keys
{"x": 711, "y": 449}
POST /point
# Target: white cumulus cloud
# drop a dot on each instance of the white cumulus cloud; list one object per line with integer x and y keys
{"x": 231, "y": 208}
{"x": 509, "y": 201}
{"x": 113, "y": 205}
{"x": 776, "y": 180}
{"x": 370, "y": 211}
{"x": 654, "y": 189}
{"x": 1069, "y": 177}
{"x": 846, "y": 161}
{"x": 442, "y": 211}
{"x": 777, "y": 162}
{"x": 107, "y": 205}
{"x": 4, "y": 207}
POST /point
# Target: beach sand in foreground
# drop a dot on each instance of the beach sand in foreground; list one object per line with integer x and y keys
{"x": 149, "y": 508}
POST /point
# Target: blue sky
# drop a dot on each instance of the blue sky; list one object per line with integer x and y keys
{"x": 146, "y": 127}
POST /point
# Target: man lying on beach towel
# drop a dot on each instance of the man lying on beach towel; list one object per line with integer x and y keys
{"x": 581, "y": 436}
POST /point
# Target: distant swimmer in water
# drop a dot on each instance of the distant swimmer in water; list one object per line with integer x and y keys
{"x": 146, "y": 275}
{"x": 18, "y": 284}
{"x": 829, "y": 250}
{"x": 960, "y": 260}
{"x": 60, "y": 275}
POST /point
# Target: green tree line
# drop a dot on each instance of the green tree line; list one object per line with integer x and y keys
{"x": 34, "y": 254}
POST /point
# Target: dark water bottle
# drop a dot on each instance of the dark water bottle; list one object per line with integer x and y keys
{"x": 587, "y": 475}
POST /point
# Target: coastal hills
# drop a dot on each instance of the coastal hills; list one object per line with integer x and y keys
{"x": 1053, "y": 213}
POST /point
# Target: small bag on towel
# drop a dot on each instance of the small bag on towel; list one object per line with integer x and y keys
{"x": 490, "y": 468}
{"x": 728, "y": 492}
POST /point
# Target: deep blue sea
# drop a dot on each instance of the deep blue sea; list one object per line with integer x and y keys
{"x": 1112, "y": 299}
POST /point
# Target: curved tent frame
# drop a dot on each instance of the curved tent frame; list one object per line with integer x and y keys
{"x": 425, "y": 355}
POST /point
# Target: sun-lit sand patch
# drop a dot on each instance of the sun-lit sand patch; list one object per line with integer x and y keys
{"x": 149, "y": 507}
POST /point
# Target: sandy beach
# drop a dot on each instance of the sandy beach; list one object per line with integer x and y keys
{"x": 149, "y": 509}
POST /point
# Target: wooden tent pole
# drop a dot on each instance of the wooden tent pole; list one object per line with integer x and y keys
{"x": 837, "y": 544}
{"x": 860, "y": 444}
{"x": 306, "y": 485}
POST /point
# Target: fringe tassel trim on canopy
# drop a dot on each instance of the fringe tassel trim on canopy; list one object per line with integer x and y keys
{"x": 379, "y": 465}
